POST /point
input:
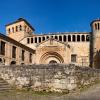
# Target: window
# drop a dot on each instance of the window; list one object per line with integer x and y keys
{"x": 16, "y": 28}
{"x": 73, "y": 57}
{"x": 83, "y": 38}
{"x": 47, "y": 37}
{"x": 39, "y": 39}
{"x": 2, "y": 49}
{"x": 96, "y": 26}
{"x": 13, "y": 52}
{"x": 74, "y": 38}
{"x": 87, "y": 38}
{"x": 64, "y": 38}
{"x": 23, "y": 55}
{"x": 56, "y": 37}
{"x": 30, "y": 58}
{"x": 9, "y": 30}
{"x": 28, "y": 40}
{"x": 13, "y": 29}
{"x": 31, "y": 40}
{"x": 60, "y": 38}
{"x": 69, "y": 38}
{"x": 78, "y": 38}
{"x": 43, "y": 38}
{"x": 20, "y": 28}
{"x": 35, "y": 39}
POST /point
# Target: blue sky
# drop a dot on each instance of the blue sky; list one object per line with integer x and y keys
{"x": 51, "y": 15}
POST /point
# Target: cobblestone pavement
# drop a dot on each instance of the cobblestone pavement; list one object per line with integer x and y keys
{"x": 93, "y": 93}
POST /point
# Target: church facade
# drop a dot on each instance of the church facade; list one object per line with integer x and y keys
{"x": 23, "y": 46}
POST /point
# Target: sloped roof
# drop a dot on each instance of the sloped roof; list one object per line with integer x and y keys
{"x": 22, "y": 19}
{"x": 8, "y": 39}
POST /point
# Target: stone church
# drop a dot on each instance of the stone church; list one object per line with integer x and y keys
{"x": 23, "y": 46}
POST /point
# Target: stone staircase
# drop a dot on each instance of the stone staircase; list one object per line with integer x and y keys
{"x": 4, "y": 86}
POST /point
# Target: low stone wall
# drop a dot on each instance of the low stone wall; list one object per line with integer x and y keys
{"x": 58, "y": 77}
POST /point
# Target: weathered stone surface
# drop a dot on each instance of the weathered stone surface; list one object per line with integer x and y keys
{"x": 58, "y": 77}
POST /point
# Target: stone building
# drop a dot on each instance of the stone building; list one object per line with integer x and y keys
{"x": 80, "y": 48}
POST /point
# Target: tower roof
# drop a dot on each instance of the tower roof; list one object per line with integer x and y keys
{"x": 98, "y": 19}
{"x": 22, "y": 19}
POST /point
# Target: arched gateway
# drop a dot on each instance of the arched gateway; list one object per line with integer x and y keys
{"x": 51, "y": 57}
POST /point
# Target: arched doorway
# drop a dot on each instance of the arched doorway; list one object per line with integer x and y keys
{"x": 51, "y": 57}
{"x": 52, "y": 62}
{"x": 13, "y": 63}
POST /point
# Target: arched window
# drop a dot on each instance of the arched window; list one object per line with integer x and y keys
{"x": 69, "y": 38}
{"x": 47, "y": 37}
{"x": 16, "y": 28}
{"x": 20, "y": 27}
{"x": 73, "y": 38}
{"x": 64, "y": 38}
{"x": 60, "y": 38}
{"x": 9, "y": 30}
{"x": 78, "y": 38}
{"x": 31, "y": 40}
{"x": 35, "y": 39}
{"x": 87, "y": 38}
{"x": 83, "y": 38}
{"x": 39, "y": 39}
{"x": 56, "y": 37}
{"x": 43, "y": 38}
{"x": 96, "y": 27}
{"x": 13, "y": 29}
{"x": 28, "y": 40}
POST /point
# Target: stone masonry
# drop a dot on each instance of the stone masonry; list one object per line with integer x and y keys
{"x": 50, "y": 78}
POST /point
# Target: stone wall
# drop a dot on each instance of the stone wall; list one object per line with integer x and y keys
{"x": 57, "y": 78}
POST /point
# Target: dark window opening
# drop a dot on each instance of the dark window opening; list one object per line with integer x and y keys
{"x": 64, "y": 38}
{"x": 35, "y": 39}
{"x": 2, "y": 49}
{"x": 47, "y": 37}
{"x": 20, "y": 28}
{"x": 73, "y": 38}
{"x": 78, "y": 37}
{"x": 56, "y": 37}
{"x": 16, "y": 28}
{"x": 9, "y": 30}
{"x": 87, "y": 38}
{"x": 13, "y": 52}
{"x": 51, "y": 36}
{"x": 96, "y": 26}
{"x": 83, "y": 38}
{"x": 30, "y": 58}
{"x": 60, "y": 38}
{"x": 39, "y": 39}
{"x": 73, "y": 57}
{"x": 23, "y": 55}
{"x": 43, "y": 38}
{"x": 28, "y": 40}
{"x": 69, "y": 38}
{"x": 31, "y": 40}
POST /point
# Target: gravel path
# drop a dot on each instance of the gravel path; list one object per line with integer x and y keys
{"x": 93, "y": 93}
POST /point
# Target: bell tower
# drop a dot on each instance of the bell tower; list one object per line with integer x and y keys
{"x": 19, "y": 29}
{"x": 95, "y": 43}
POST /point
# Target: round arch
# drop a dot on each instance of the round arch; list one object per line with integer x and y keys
{"x": 13, "y": 63}
{"x": 51, "y": 56}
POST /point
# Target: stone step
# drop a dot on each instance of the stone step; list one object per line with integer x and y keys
{"x": 4, "y": 86}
